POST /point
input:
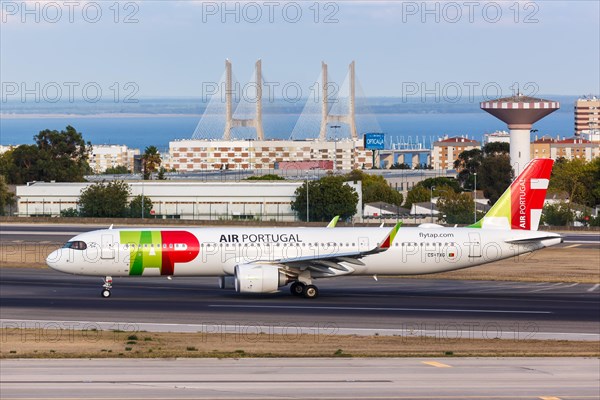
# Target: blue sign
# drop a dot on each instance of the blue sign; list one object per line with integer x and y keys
{"x": 374, "y": 141}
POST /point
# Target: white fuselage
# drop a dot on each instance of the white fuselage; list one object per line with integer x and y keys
{"x": 216, "y": 251}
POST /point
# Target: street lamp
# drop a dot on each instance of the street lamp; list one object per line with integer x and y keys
{"x": 475, "y": 198}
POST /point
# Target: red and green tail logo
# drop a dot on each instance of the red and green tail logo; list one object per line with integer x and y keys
{"x": 520, "y": 207}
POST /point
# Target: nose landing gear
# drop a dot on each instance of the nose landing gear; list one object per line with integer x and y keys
{"x": 106, "y": 287}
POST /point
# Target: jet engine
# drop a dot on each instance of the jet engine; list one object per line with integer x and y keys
{"x": 255, "y": 278}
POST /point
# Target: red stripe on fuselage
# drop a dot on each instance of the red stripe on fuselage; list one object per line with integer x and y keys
{"x": 171, "y": 254}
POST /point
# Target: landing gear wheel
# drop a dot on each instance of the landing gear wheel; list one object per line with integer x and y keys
{"x": 106, "y": 287}
{"x": 297, "y": 288}
{"x": 311, "y": 292}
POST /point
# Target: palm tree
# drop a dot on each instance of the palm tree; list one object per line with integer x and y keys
{"x": 150, "y": 161}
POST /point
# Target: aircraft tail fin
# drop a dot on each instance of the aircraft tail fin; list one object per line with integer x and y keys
{"x": 520, "y": 207}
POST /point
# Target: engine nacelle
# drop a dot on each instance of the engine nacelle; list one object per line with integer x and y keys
{"x": 254, "y": 278}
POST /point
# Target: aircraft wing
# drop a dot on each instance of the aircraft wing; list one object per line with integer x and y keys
{"x": 330, "y": 263}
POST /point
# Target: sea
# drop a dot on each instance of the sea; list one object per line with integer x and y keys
{"x": 158, "y": 130}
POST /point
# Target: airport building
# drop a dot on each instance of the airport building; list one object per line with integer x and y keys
{"x": 253, "y": 200}
{"x": 202, "y": 155}
{"x": 110, "y": 156}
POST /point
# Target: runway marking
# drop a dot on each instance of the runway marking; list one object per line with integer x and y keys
{"x": 382, "y": 309}
{"x": 594, "y": 287}
{"x": 436, "y": 364}
{"x": 553, "y": 286}
{"x": 573, "y": 245}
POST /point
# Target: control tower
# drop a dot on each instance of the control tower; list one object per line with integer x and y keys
{"x": 519, "y": 113}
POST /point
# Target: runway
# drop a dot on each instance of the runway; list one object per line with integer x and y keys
{"x": 323, "y": 378}
{"x": 347, "y": 305}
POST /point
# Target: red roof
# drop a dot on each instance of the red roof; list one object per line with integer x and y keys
{"x": 458, "y": 139}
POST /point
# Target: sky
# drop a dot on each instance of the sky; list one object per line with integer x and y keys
{"x": 401, "y": 48}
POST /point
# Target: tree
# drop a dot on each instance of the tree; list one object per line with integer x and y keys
{"x": 375, "y": 188}
{"x": 456, "y": 208}
{"x": 135, "y": 206}
{"x": 558, "y": 214}
{"x": 496, "y": 148}
{"x": 441, "y": 181}
{"x": 328, "y": 197}
{"x": 161, "y": 174}
{"x": 400, "y": 166}
{"x": 117, "y": 170}
{"x": 62, "y": 155}
{"x": 59, "y": 156}
{"x": 69, "y": 212}
{"x": 150, "y": 161}
{"x": 579, "y": 179}
{"x": 492, "y": 165}
{"x": 23, "y": 166}
{"x": 104, "y": 200}
{"x": 494, "y": 176}
{"x": 417, "y": 194}
{"x": 7, "y": 198}
{"x": 467, "y": 164}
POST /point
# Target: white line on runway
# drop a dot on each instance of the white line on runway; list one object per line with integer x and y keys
{"x": 594, "y": 287}
{"x": 553, "y": 286}
{"x": 381, "y": 309}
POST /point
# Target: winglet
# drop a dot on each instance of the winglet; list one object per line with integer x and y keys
{"x": 387, "y": 242}
{"x": 111, "y": 226}
{"x": 333, "y": 222}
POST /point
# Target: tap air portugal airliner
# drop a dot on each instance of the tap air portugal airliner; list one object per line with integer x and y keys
{"x": 262, "y": 260}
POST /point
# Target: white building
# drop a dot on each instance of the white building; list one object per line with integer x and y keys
{"x": 201, "y": 155}
{"x": 4, "y": 149}
{"x": 249, "y": 200}
{"x": 105, "y": 156}
{"x": 496, "y": 137}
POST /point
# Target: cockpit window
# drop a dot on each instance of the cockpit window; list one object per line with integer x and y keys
{"x": 75, "y": 245}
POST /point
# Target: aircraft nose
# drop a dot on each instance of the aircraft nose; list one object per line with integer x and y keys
{"x": 54, "y": 260}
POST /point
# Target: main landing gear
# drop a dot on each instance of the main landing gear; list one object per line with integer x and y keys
{"x": 301, "y": 289}
{"x": 106, "y": 287}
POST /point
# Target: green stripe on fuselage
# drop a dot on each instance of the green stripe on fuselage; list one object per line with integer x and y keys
{"x": 144, "y": 250}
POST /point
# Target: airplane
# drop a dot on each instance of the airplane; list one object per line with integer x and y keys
{"x": 263, "y": 260}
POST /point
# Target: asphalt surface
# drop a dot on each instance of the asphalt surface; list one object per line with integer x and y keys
{"x": 346, "y": 305}
{"x": 449, "y": 378}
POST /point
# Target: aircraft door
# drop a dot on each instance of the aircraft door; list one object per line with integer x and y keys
{"x": 107, "y": 247}
{"x": 474, "y": 245}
